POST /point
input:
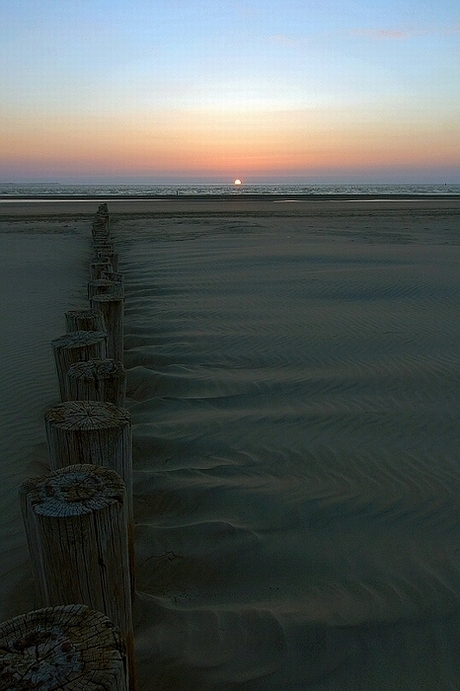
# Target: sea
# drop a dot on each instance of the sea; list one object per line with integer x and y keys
{"x": 61, "y": 190}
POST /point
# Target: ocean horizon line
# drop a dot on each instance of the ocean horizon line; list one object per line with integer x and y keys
{"x": 73, "y": 192}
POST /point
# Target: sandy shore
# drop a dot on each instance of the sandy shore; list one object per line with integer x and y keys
{"x": 272, "y": 206}
{"x": 293, "y": 379}
{"x": 41, "y": 275}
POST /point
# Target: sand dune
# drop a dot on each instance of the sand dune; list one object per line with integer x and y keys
{"x": 294, "y": 387}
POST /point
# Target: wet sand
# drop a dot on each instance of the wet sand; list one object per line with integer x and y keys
{"x": 276, "y": 205}
{"x": 294, "y": 386}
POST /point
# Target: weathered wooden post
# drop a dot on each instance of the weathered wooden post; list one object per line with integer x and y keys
{"x": 85, "y": 320}
{"x": 113, "y": 276}
{"x": 101, "y": 253}
{"x": 112, "y": 307}
{"x": 103, "y": 246}
{"x": 91, "y": 432}
{"x": 112, "y": 257}
{"x": 97, "y": 267}
{"x": 102, "y": 286}
{"x": 74, "y": 347}
{"x": 100, "y": 231}
{"x": 101, "y": 224}
{"x": 76, "y": 526}
{"x": 98, "y": 380}
{"x": 68, "y": 647}
{"x": 103, "y": 212}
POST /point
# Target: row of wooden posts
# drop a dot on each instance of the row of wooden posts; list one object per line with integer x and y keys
{"x": 79, "y": 519}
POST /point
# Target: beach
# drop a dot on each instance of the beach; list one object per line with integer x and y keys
{"x": 293, "y": 380}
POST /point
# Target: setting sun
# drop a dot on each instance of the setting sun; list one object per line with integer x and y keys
{"x": 237, "y": 182}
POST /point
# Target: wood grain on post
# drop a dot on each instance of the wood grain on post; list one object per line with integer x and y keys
{"x": 102, "y": 286}
{"x": 69, "y": 647}
{"x": 85, "y": 320}
{"x": 100, "y": 231}
{"x": 76, "y": 526}
{"x": 75, "y": 347}
{"x": 112, "y": 307}
{"x": 98, "y": 380}
{"x": 102, "y": 221}
{"x": 114, "y": 276}
{"x": 103, "y": 211}
{"x": 102, "y": 252}
{"x": 98, "y": 433}
{"x": 101, "y": 246}
{"x": 112, "y": 257}
{"x": 97, "y": 267}
{"x": 90, "y": 432}
{"x": 101, "y": 224}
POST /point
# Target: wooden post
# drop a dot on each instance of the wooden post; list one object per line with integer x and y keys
{"x": 103, "y": 212}
{"x": 114, "y": 276}
{"x": 106, "y": 247}
{"x": 103, "y": 287}
{"x": 98, "y": 380}
{"x": 97, "y": 267}
{"x": 100, "y": 231}
{"x": 68, "y": 647}
{"x": 102, "y": 247}
{"x": 98, "y": 433}
{"x": 112, "y": 307}
{"x": 112, "y": 257}
{"x": 101, "y": 224}
{"x": 76, "y": 526}
{"x": 91, "y": 432}
{"x": 74, "y": 347}
{"x": 85, "y": 320}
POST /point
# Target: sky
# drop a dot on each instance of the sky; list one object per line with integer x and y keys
{"x": 213, "y": 90}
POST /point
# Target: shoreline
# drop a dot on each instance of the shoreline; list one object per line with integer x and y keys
{"x": 232, "y": 196}
{"x": 271, "y": 205}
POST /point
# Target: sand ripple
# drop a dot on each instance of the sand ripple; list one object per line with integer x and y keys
{"x": 297, "y": 486}
{"x": 43, "y": 275}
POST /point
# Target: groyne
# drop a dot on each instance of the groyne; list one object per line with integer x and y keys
{"x": 78, "y": 519}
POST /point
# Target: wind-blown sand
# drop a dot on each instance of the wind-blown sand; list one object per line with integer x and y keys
{"x": 294, "y": 386}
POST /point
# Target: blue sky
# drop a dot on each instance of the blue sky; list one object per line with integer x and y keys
{"x": 260, "y": 90}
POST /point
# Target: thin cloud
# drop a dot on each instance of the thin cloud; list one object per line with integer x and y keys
{"x": 389, "y": 34}
{"x": 452, "y": 30}
{"x": 288, "y": 41}
{"x": 403, "y": 34}
{"x": 385, "y": 34}
{"x": 382, "y": 34}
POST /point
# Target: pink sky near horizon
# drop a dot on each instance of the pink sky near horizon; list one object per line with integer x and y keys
{"x": 196, "y": 143}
